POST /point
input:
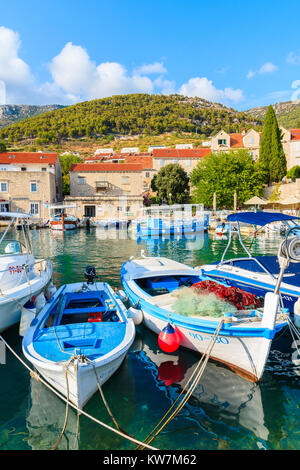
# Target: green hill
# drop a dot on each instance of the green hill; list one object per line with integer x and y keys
{"x": 288, "y": 113}
{"x": 133, "y": 114}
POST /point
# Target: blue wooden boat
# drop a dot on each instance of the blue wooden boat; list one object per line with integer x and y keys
{"x": 79, "y": 338}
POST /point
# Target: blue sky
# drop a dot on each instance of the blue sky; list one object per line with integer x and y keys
{"x": 242, "y": 54}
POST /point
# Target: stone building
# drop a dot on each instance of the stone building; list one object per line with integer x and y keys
{"x": 187, "y": 158}
{"x": 223, "y": 142}
{"x": 30, "y": 182}
{"x": 102, "y": 190}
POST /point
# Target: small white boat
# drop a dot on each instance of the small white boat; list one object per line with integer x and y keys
{"x": 80, "y": 338}
{"x": 152, "y": 285}
{"x": 22, "y": 277}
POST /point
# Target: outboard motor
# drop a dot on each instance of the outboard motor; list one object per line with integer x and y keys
{"x": 90, "y": 274}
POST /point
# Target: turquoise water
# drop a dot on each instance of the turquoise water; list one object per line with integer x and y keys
{"x": 225, "y": 411}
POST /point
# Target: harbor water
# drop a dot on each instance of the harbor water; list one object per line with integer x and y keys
{"x": 224, "y": 412}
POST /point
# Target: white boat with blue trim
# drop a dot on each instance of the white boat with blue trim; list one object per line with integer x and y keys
{"x": 22, "y": 277}
{"x": 80, "y": 338}
{"x": 244, "y": 341}
{"x": 258, "y": 274}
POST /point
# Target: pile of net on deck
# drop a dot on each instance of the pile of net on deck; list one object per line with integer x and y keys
{"x": 208, "y": 298}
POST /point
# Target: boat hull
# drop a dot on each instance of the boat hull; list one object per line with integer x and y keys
{"x": 82, "y": 382}
{"x": 13, "y": 299}
{"x": 246, "y": 352}
{"x": 66, "y": 226}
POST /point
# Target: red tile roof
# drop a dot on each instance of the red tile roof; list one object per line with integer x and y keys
{"x": 146, "y": 161}
{"x": 295, "y": 134}
{"x": 99, "y": 167}
{"x": 181, "y": 153}
{"x": 28, "y": 157}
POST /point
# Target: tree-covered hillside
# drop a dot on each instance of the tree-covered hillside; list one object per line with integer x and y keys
{"x": 130, "y": 115}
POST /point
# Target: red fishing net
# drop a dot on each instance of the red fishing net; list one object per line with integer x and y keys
{"x": 238, "y": 297}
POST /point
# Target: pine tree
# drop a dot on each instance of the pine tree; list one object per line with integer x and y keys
{"x": 272, "y": 161}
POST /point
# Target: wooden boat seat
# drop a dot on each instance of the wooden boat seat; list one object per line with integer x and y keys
{"x": 163, "y": 300}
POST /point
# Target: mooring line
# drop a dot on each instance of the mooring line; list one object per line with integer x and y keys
{"x": 36, "y": 376}
{"x": 198, "y": 372}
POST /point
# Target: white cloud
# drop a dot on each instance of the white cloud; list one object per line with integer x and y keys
{"x": 74, "y": 77}
{"x": 15, "y": 74}
{"x": 267, "y": 67}
{"x": 293, "y": 59}
{"x": 204, "y": 88}
{"x": 147, "y": 69}
{"x": 74, "y": 72}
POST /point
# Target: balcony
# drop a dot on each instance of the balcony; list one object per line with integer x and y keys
{"x": 102, "y": 186}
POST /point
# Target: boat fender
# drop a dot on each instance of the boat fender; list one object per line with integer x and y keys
{"x": 40, "y": 302}
{"x": 28, "y": 313}
{"x": 297, "y": 313}
{"x": 122, "y": 296}
{"x": 169, "y": 339}
{"x": 136, "y": 315}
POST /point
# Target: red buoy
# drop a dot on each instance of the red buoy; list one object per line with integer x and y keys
{"x": 169, "y": 339}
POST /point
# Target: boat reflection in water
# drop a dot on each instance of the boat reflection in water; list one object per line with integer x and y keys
{"x": 221, "y": 394}
{"x": 46, "y": 415}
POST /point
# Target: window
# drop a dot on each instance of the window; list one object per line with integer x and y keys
{"x": 34, "y": 208}
{"x": 221, "y": 141}
{"x": 4, "y": 207}
{"x": 161, "y": 163}
{"x": 44, "y": 169}
{"x": 175, "y": 161}
{"x": 81, "y": 180}
{"x": 125, "y": 179}
{"x": 251, "y": 140}
{"x": 188, "y": 162}
{"x": 3, "y": 187}
{"x": 89, "y": 211}
{"x": 23, "y": 168}
{"x": 33, "y": 186}
{"x": 147, "y": 175}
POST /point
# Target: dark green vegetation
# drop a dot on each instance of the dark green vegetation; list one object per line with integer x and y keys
{"x": 66, "y": 162}
{"x": 294, "y": 172}
{"x": 287, "y": 113}
{"x": 11, "y": 113}
{"x": 272, "y": 160}
{"x": 130, "y": 115}
{"x": 224, "y": 173}
{"x": 2, "y": 147}
{"x": 171, "y": 184}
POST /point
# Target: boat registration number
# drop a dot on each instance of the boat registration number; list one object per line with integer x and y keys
{"x": 220, "y": 339}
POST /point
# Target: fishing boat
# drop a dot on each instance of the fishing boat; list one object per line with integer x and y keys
{"x": 154, "y": 227}
{"x": 22, "y": 277}
{"x": 152, "y": 285}
{"x": 63, "y": 222}
{"x": 258, "y": 274}
{"x": 80, "y": 338}
{"x": 60, "y": 220}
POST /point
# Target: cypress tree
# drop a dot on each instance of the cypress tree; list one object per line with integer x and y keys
{"x": 277, "y": 161}
{"x": 272, "y": 161}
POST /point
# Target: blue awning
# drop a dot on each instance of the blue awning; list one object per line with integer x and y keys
{"x": 260, "y": 218}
